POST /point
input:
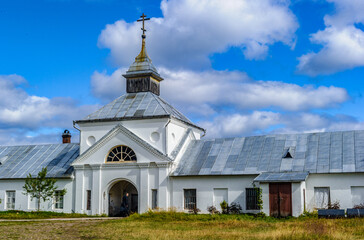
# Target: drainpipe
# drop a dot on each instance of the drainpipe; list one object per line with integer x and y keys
{"x": 166, "y": 133}
{"x": 74, "y": 125}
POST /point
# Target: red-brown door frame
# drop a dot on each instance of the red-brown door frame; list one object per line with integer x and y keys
{"x": 280, "y": 199}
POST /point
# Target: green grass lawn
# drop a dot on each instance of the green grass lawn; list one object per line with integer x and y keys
{"x": 14, "y": 214}
{"x": 172, "y": 225}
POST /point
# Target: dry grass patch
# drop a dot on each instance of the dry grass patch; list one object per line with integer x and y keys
{"x": 184, "y": 226}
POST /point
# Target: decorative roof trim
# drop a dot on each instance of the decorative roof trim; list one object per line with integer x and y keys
{"x": 119, "y": 128}
{"x": 180, "y": 145}
{"x": 138, "y": 118}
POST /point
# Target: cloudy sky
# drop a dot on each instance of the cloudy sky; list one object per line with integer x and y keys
{"x": 234, "y": 67}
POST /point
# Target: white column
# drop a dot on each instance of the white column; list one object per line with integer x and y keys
{"x": 79, "y": 189}
{"x": 265, "y": 197}
{"x": 143, "y": 191}
{"x": 96, "y": 196}
{"x": 163, "y": 185}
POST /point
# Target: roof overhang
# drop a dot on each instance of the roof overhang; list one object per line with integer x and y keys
{"x": 282, "y": 177}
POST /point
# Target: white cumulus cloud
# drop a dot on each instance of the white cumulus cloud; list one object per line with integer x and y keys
{"x": 22, "y": 114}
{"x": 342, "y": 41}
{"x": 202, "y": 92}
{"x": 191, "y": 30}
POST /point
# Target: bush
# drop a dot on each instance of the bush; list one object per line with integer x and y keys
{"x": 224, "y": 207}
{"x": 194, "y": 210}
{"x": 212, "y": 210}
{"x": 359, "y": 206}
{"x": 235, "y": 208}
{"x": 334, "y": 205}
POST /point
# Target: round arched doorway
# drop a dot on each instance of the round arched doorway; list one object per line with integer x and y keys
{"x": 116, "y": 194}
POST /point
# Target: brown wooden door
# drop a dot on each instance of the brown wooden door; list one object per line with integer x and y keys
{"x": 280, "y": 199}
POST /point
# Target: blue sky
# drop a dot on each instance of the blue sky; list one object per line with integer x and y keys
{"x": 236, "y": 68}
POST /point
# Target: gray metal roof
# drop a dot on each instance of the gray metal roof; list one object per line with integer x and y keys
{"x": 19, "y": 161}
{"x": 327, "y": 152}
{"x": 134, "y": 106}
{"x": 282, "y": 177}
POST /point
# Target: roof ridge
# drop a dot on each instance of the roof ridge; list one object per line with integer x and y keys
{"x": 158, "y": 100}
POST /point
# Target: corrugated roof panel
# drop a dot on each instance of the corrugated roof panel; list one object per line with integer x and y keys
{"x": 32, "y": 158}
{"x": 323, "y": 153}
{"x": 359, "y": 151}
{"x": 281, "y": 177}
{"x": 266, "y": 154}
{"x": 255, "y": 153}
{"x": 244, "y": 155}
{"x": 336, "y": 152}
{"x": 201, "y": 157}
{"x": 219, "y": 165}
{"x": 315, "y": 152}
{"x": 276, "y": 156}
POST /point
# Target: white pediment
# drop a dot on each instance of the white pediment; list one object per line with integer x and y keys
{"x": 120, "y": 135}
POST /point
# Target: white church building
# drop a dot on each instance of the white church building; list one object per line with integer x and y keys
{"x": 142, "y": 145}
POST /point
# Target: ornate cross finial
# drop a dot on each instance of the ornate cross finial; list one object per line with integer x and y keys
{"x": 143, "y": 18}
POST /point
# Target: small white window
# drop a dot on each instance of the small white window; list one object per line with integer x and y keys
{"x": 10, "y": 200}
{"x": 357, "y": 195}
{"x": 58, "y": 200}
{"x": 322, "y": 197}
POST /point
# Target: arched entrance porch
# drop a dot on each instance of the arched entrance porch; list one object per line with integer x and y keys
{"x": 116, "y": 193}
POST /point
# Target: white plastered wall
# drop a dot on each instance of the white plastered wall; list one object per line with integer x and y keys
{"x": 205, "y": 185}
{"x": 340, "y": 187}
{"x": 150, "y": 130}
{"x": 22, "y": 201}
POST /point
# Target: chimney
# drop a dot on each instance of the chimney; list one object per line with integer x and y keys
{"x": 66, "y": 136}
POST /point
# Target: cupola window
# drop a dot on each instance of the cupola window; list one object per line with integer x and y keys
{"x": 121, "y": 154}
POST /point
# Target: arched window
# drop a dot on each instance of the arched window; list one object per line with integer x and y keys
{"x": 121, "y": 154}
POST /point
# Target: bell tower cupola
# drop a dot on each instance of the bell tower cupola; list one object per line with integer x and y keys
{"x": 142, "y": 76}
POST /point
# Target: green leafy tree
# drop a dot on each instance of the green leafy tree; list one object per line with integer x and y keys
{"x": 40, "y": 187}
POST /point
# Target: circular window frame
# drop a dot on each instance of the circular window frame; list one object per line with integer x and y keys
{"x": 129, "y": 152}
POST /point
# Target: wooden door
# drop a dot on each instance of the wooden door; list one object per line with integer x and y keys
{"x": 280, "y": 199}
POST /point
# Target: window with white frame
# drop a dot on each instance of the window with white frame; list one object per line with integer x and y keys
{"x": 322, "y": 197}
{"x": 190, "y": 201}
{"x": 10, "y": 200}
{"x": 357, "y": 195}
{"x": 58, "y": 199}
{"x": 154, "y": 198}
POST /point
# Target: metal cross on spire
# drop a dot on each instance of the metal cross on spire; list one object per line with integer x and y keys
{"x": 143, "y": 18}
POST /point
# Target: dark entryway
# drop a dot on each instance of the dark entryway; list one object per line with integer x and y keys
{"x": 280, "y": 199}
{"x": 116, "y": 193}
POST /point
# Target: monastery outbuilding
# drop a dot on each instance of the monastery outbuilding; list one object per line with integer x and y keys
{"x": 142, "y": 145}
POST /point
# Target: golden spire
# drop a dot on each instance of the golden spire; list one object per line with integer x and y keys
{"x": 142, "y": 61}
{"x": 143, "y": 56}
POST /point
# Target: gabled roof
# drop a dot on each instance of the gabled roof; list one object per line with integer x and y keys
{"x": 142, "y": 105}
{"x": 19, "y": 161}
{"x": 326, "y": 152}
{"x": 113, "y": 132}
